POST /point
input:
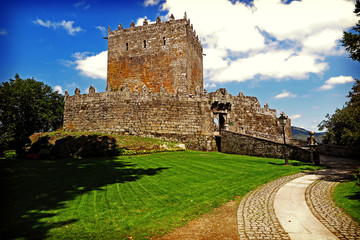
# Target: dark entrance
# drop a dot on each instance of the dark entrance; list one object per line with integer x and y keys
{"x": 218, "y": 143}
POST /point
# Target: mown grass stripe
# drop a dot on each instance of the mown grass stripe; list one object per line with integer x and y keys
{"x": 98, "y": 202}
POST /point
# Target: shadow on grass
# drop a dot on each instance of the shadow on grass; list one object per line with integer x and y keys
{"x": 356, "y": 196}
{"x": 29, "y": 188}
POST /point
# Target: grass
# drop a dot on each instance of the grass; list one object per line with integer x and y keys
{"x": 347, "y": 196}
{"x": 129, "y": 196}
{"x": 122, "y": 141}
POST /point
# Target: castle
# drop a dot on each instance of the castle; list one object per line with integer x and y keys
{"x": 155, "y": 89}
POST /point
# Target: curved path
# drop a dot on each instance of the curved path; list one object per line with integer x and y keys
{"x": 258, "y": 219}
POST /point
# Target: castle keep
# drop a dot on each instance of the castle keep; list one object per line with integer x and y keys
{"x": 164, "y": 55}
{"x": 155, "y": 89}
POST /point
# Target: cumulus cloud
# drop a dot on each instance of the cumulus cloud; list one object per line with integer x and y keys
{"x": 295, "y": 116}
{"x": 285, "y": 94}
{"x": 140, "y": 21}
{"x": 151, "y": 2}
{"x": 209, "y": 85}
{"x": 266, "y": 39}
{"x": 93, "y": 66}
{"x": 66, "y": 25}
{"x": 59, "y": 89}
{"x": 329, "y": 84}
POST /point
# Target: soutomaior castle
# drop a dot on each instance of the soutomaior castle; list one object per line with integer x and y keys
{"x": 155, "y": 89}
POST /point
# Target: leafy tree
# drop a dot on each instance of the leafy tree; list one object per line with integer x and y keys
{"x": 27, "y": 106}
{"x": 351, "y": 40}
{"x": 344, "y": 125}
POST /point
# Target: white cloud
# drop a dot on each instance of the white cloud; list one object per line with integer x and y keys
{"x": 82, "y": 4}
{"x": 59, "y": 89}
{"x": 3, "y": 32}
{"x": 140, "y": 21}
{"x": 329, "y": 84}
{"x": 296, "y": 116}
{"x": 272, "y": 64}
{"x": 93, "y": 66}
{"x": 72, "y": 85}
{"x": 265, "y": 40}
{"x": 67, "y": 25}
{"x": 102, "y": 30}
{"x": 314, "y": 127}
{"x": 323, "y": 41}
{"x": 285, "y": 94}
{"x": 151, "y": 2}
{"x": 208, "y": 85}
{"x": 268, "y": 39}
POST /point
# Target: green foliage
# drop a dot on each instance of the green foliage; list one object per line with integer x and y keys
{"x": 10, "y": 154}
{"x": 128, "y": 196}
{"x": 27, "y": 106}
{"x": 343, "y": 127}
{"x": 347, "y": 196}
{"x": 351, "y": 40}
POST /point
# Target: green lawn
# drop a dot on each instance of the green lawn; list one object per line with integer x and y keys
{"x": 129, "y": 196}
{"x": 347, "y": 196}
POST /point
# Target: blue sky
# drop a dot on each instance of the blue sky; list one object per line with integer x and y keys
{"x": 287, "y": 54}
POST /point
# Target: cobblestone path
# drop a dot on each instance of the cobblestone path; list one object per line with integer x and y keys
{"x": 319, "y": 199}
{"x": 256, "y": 214}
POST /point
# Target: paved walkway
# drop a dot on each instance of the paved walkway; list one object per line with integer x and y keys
{"x": 258, "y": 218}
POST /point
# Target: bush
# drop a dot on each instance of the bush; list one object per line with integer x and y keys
{"x": 40, "y": 144}
{"x": 10, "y": 154}
{"x": 84, "y": 146}
{"x": 44, "y": 153}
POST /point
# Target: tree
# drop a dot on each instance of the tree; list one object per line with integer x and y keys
{"x": 351, "y": 41}
{"x": 27, "y": 106}
{"x": 344, "y": 125}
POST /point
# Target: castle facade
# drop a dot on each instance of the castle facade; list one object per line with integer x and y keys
{"x": 155, "y": 89}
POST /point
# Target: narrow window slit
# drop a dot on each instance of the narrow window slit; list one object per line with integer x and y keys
{"x": 164, "y": 39}
{"x": 144, "y": 43}
{"x": 127, "y": 47}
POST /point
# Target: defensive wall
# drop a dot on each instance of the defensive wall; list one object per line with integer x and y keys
{"x": 193, "y": 119}
{"x": 236, "y": 143}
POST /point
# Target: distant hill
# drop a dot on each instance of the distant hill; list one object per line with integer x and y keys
{"x": 303, "y": 134}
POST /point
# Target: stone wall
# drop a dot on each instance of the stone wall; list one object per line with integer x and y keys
{"x": 162, "y": 115}
{"x": 237, "y": 143}
{"x": 177, "y": 117}
{"x": 338, "y": 151}
{"x": 243, "y": 114}
{"x": 163, "y": 56}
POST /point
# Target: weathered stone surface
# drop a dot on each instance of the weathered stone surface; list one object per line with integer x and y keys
{"x": 248, "y": 145}
{"x": 161, "y": 54}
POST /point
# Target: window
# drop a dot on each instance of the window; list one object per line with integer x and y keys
{"x": 164, "y": 39}
{"x": 144, "y": 43}
{"x": 127, "y": 47}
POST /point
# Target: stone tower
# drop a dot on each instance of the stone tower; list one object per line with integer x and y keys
{"x": 159, "y": 57}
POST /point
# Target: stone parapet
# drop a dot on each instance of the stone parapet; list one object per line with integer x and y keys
{"x": 236, "y": 143}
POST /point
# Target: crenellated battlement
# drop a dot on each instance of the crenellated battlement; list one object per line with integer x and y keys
{"x": 165, "y": 27}
{"x": 161, "y": 55}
